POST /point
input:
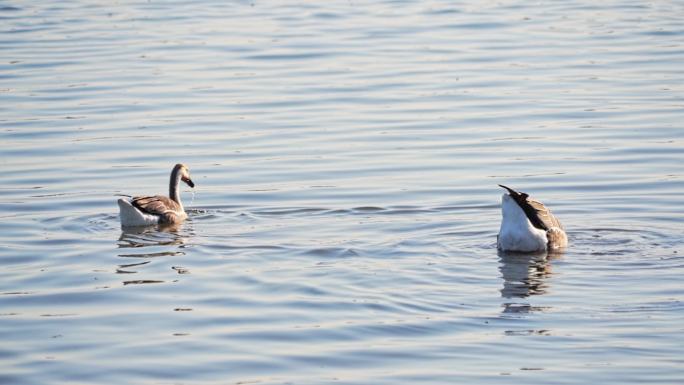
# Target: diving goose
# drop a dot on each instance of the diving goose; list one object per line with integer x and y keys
{"x": 527, "y": 225}
{"x": 152, "y": 210}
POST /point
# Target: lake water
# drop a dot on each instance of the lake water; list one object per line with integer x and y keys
{"x": 346, "y": 157}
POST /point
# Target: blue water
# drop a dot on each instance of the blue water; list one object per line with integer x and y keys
{"x": 346, "y": 158}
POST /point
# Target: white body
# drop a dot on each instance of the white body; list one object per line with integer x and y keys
{"x": 131, "y": 216}
{"x": 517, "y": 232}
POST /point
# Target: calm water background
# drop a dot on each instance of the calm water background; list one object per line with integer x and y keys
{"x": 346, "y": 156}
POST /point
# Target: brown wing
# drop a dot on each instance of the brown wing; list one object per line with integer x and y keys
{"x": 156, "y": 205}
{"x": 542, "y": 215}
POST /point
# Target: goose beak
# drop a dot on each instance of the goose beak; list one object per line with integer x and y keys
{"x": 189, "y": 182}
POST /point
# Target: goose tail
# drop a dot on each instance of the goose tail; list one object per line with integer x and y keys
{"x": 131, "y": 216}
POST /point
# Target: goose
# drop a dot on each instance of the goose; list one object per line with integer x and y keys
{"x": 527, "y": 225}
{"x": 152, "y": 210}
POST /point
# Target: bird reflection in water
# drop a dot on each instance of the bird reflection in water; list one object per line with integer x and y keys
{"x": 145, "y": 243}
{"x": 159, "y": 235}
{"x": 524, "y": 275}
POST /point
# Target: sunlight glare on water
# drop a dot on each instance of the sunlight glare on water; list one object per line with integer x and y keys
{"x": 346, "y": 158}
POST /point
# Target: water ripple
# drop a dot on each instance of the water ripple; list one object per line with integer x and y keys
{"x": 343, "y": 225}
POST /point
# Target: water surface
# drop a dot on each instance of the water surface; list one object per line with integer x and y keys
{"x": 346, "y": 157}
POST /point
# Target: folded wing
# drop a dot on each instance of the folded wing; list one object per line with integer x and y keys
{"x": 155, "y": 205}
{"x": 543, "y": 218}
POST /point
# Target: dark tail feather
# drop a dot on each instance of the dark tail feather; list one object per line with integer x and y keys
{"x": 510, "y": 190}
{"x": 514, "y": 193}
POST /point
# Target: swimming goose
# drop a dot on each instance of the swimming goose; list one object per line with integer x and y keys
{"x": 527, "y": 225}
{"x": 152, "y": 210}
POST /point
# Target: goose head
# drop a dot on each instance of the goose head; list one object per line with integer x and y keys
{"x": 185, "y": 175}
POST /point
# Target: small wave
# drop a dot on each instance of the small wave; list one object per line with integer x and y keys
{"x": 333, "y": 252}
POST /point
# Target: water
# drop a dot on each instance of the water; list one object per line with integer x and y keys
{"x": 346, "y": 157}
